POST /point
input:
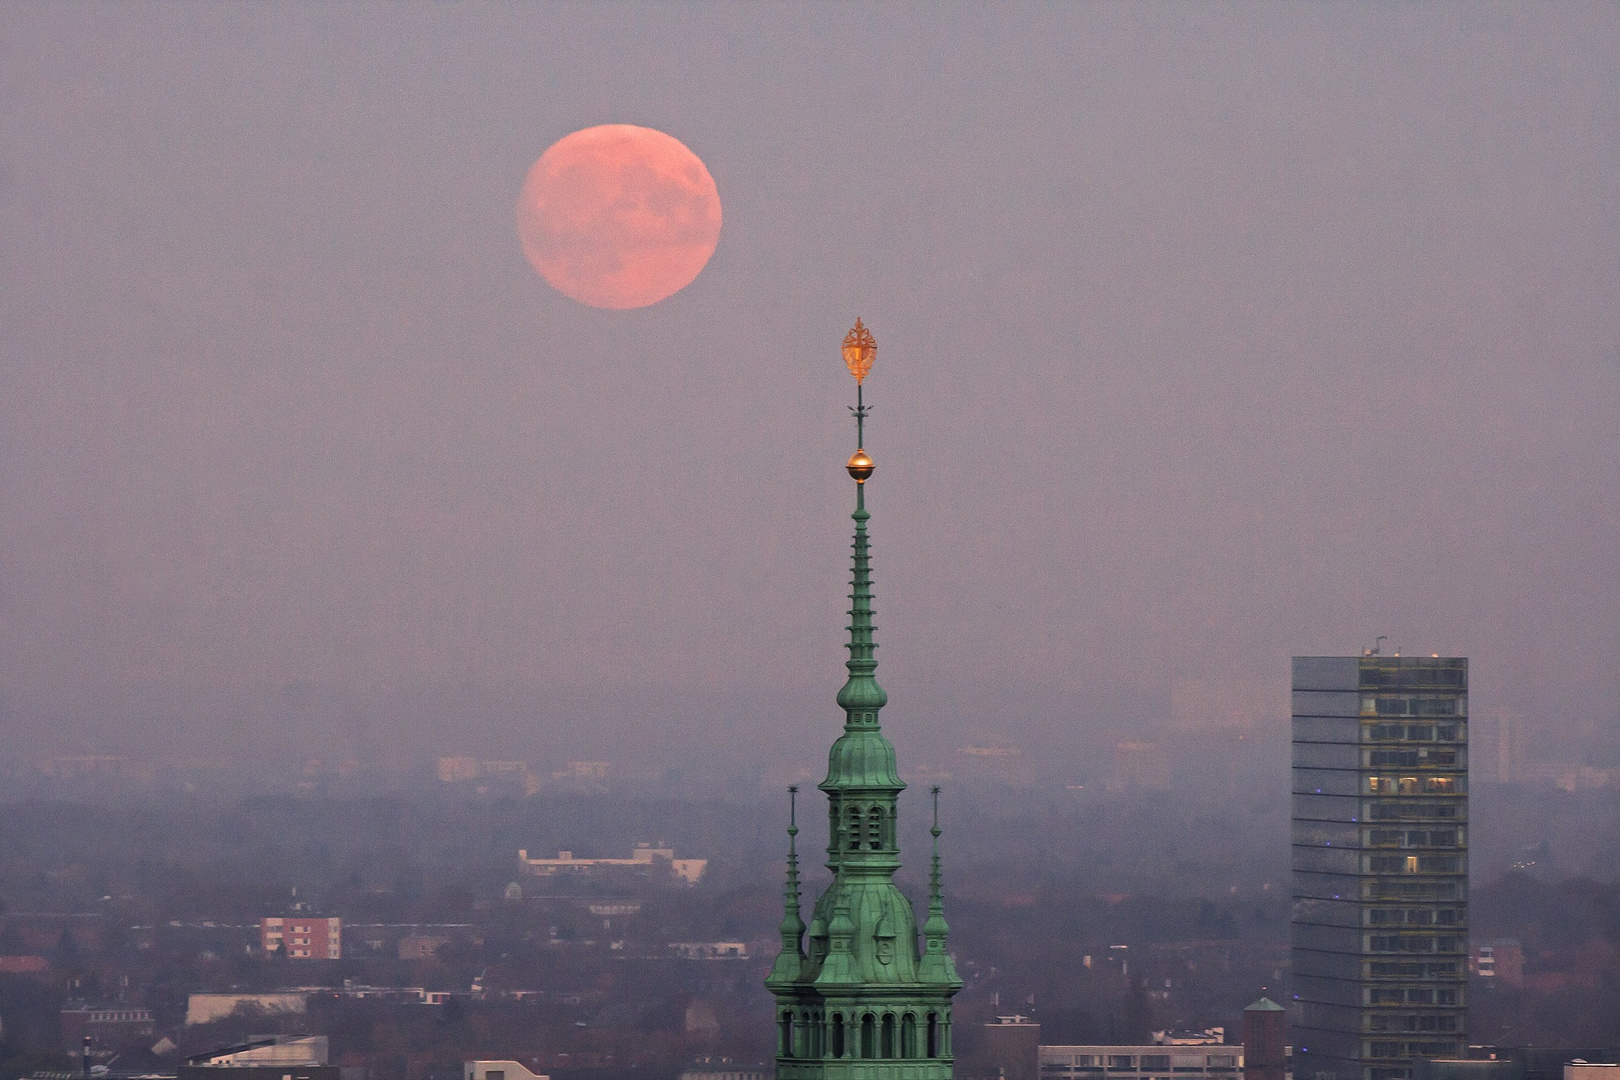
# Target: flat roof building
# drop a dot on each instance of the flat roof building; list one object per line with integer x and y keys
{"x": 206, "y": 1008}
{"x": 1265, "y": 1037}
{"x": 302, "y": 937}
{"x": 264, "y": 1057}
{"x": 498, "y": 1070}
{"x": 1380, "y": 864}
{"x": 108, "y": 1027}
{"x": 647, "y": 860}
{"x": 1157, "y": 1061}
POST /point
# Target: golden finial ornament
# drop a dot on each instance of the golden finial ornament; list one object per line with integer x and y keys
{"x": 860, "y": 466}
{"x": 860, "y": 349}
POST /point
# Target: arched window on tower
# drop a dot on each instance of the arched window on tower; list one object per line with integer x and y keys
{"x": 854, "y": 828}
{"x": 874, "y": 828}
{"x": 838, "y": 1035}
{"x": 933, "y": 1035}
{"x": 786, "y": 1049}
{"x": 908, "y": 1036}
{"x": 868, "y": 1036}
{"x": 887, "y": 1049}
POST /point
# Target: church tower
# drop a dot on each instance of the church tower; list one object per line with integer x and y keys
{"x": 856, "y": 998}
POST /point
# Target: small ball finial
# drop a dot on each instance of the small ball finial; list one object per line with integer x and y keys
{"x": 860, "y": 466}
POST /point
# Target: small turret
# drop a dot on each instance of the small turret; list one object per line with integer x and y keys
{"x": 839, "y": 967}
{"x": 790, "y": 962}
{"x": 936, "y": 965}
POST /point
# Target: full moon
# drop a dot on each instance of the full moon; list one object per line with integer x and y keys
{"x": 618, "y": 216}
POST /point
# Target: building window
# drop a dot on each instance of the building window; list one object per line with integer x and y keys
{"x": 908, "y": 1036}
{"x": 868, "y": 1036}
{"x": 933, "y": 1035}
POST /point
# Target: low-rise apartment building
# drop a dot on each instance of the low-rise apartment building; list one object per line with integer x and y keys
{"x": 304, "y": 937}
{"x": 1152, "y": 1062}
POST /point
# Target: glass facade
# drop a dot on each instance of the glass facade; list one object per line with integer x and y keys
{"x": 1380, "y": 864}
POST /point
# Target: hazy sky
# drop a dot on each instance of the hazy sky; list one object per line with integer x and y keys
{"x": 1208, "y": 335}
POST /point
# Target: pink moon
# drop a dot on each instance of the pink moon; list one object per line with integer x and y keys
{"x": 619, "y": 216}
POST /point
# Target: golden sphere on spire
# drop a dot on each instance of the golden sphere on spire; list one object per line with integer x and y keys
{"x": 860, "y": 466}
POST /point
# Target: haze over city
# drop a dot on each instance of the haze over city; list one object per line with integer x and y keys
{"x": 1209, "y": 335}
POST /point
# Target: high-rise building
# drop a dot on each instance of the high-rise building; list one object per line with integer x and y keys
{"x": 1380, "y": 864}
{"x": 863, "y": 1001}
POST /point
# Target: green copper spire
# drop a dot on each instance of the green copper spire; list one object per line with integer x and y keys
{"x": 863, "y": 997}
{"x": 861, "y": 696}
{"x": 791, "y": 959}
{"x": 936, "y": 965}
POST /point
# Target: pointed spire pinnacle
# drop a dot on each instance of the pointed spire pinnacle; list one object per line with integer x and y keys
{"x": 936, "y": 965}
{"x": 790, "y": 961}
{"x": 935, "y": 900}
{"x": 790, "y": 894}
{"x": 861, "y": 696}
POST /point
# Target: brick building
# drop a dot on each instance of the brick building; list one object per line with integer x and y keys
{"x": 304, "y": 937}
{"x": 108, "y": 1027}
